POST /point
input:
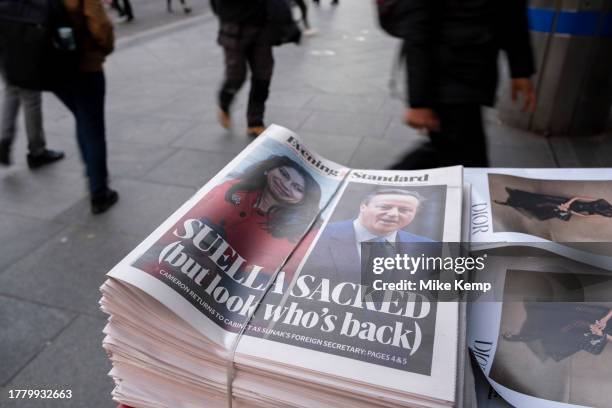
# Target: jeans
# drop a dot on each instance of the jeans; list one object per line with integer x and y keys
{"x": 84, "y": 97}
{"x": 32, "y": 110}
{"x": 259, "y": 58}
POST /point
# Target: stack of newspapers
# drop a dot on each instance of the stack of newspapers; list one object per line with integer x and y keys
{"x": 253, "y": 294}
{"x": 292, "y": 281}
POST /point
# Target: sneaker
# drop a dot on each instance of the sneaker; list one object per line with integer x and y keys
{"x": 5, "y": 154}
{"x": 254, "y": 131}
{"x": 103, "y": 201}
{"x": 46, "y": 157}
{"x": 224, "y": 119}
{"x": 309, "y": 32}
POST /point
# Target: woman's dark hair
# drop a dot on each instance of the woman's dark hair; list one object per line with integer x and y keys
{"x": 284, "y": 221}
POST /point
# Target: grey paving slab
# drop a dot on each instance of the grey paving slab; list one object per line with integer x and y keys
{"x": 333, "y": 147}
{"x": 148, "y": 130}
{"x": 41, "y": 194}
{"x": 368, "y": 125}
{"x": 583, "y": 152}
{"x": 189, "y": 168}
{"x": 564, "y": 152}
{"x": 26, "y": 329}
{"x": 508, "y": 156}
{"x": 346, "y": 103}
{"x": 67, "y": 270}
{"x": 291, "y": 100}
{"x": 74, "y": 361}
{"x": 211, "y": 137}
{"x": 380, "y": 154}
{"x": 150, "y": 14}
{"x": 291, "y": 118}
{"x": 141, "y": 208}
{"x": 22, "y": 235}
{"x": 135, "y": 160}
{"x": 400, "y": 131}
{"x": 502, "y": 135}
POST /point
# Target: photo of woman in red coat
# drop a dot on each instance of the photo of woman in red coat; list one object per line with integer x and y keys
{"x": 264, "y": 211}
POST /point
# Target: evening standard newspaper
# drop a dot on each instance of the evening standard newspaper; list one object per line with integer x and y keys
{"x": 265, "y": 263}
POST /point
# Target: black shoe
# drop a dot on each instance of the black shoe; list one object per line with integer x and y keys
{"x": 46, "y": 157}
{"x": 103, "y": 201}
{"x": 5, "y": 154}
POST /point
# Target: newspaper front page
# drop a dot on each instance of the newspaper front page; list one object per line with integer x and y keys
{"x": 268, "y": 254}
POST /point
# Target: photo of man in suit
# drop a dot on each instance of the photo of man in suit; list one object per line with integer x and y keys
{"x": 383, "y": 215}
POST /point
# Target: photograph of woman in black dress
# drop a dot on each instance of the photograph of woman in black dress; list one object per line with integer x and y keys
{"x": 545, "y": 207}
{"x": 564, "y": 329}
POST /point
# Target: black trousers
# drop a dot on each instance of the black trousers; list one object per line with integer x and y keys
{"x": 260, "y": 60}
{"x": 126, "y": 10}
{"x": 460, "y": 141}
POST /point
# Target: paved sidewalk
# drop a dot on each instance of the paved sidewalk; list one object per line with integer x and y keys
{"x": 164, "y": 143}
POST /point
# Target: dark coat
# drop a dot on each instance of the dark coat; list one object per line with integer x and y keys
{"x": 452, "y": 49}
{"x": 242, "y": 22}
{"x": 241, "y": 11}
{"x": 335, "y": 255}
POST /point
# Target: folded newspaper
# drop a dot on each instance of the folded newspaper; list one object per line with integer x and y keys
{"x": 250, "y": 293}
{"x": 257, "y": 291}
{"x": 540, "y": 335}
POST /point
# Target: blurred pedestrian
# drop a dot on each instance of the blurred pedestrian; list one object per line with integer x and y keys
{"x": 126, "y": 14}
{"x": 84, "y": 95}
{"x": 38, "y": 154}
{"x": 451, "y": 51}
{"x": 333, "y": 3}
{"x": 186, "y": 8}
{"x": 308, "y": 30}
{"x": 244, "y": 37}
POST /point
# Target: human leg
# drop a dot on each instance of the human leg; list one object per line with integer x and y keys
{"x": 38, "y": 154}
{"x": 261, "y": 62}
{"x": 10, "y": 109}
{"x": 235, "y": 75}
{"x": 460, "y": 141}
{"x": 304, "y": 11}
{"x": 127, "y": 9}
{"x": 186, "y": 8}
{"x": 91, "y": 132}
{"x": 32, "y": 110}
{"x": 115, "y": 5}
{"x": 462, "y": 138}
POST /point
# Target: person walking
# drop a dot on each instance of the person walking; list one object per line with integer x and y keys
{"x": 126, "y": 14}
{"x": 243, "y": 36}
{"x": 451, "y": 52}
{"x": 84, "y": 95}
{"x": 308, "y": 30}
{"x": 38, "y": 154}
{"x": 333, "y": 3}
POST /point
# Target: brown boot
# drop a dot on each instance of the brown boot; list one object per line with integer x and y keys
{"x": 254, "y": 131}
{"x": 224, "y": 119}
